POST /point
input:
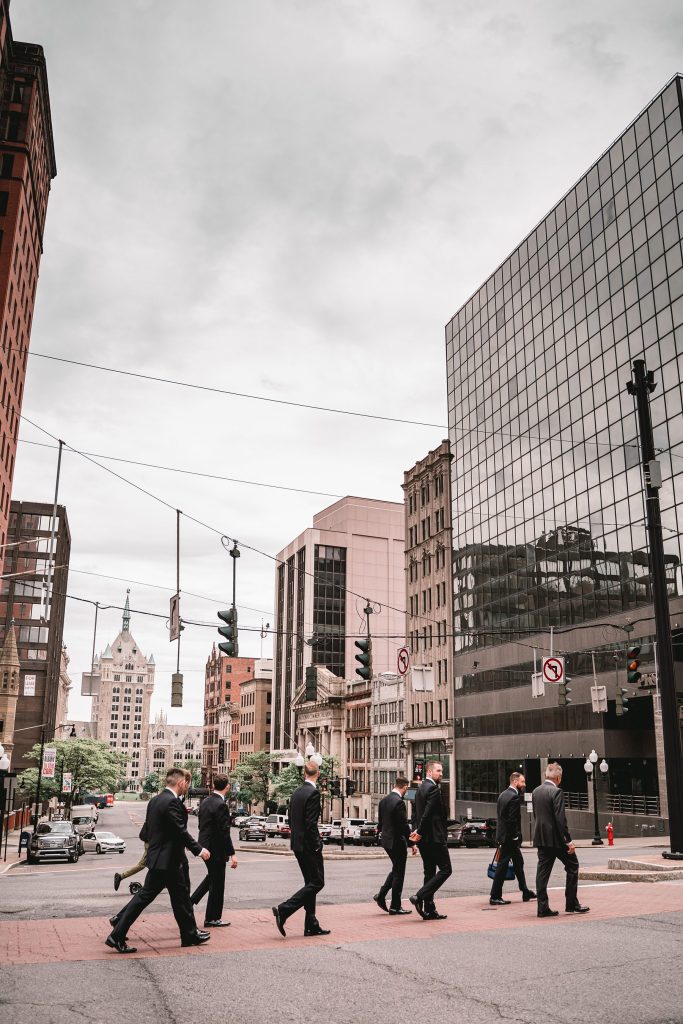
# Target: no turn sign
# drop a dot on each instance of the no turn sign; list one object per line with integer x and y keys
{"x": 553, "y": 670}
{"x": 403, "y": 661}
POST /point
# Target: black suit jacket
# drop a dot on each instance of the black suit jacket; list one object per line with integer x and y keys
{"x": 393, "y": 822}
{"x": 304, "y": 811}
{"x": 214, "y": 828}
{"x": 550, "y": 828}
{"x": 167, "y": 835}
{"x": 430, "y": 813}
{"x": 509, "y": 809}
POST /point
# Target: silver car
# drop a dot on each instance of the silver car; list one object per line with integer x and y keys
{"x": 103, "y": 842}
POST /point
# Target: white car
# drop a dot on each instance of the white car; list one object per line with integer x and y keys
{"x": 103, "y": 842}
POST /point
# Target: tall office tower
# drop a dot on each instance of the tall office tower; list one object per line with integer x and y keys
{"x": 27, "y": 166}
{"x": 548, "y": 502}
{"x": 353, "y": 552}
{"x": 35, "y": 600}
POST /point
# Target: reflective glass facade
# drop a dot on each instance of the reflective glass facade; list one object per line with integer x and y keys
{"x": 548, "y": 509}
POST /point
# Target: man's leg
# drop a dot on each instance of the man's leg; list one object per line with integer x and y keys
{"x": 398, "y": 859}
{"x": 546, "y": 859}
{"x": 571, "y": 866}
{"x": 501, "y": 871}
{"x": 140, "y": 866}
{"x": 203, "y": 887}
{"x": 176, "y": 884}
{"x": 425, "y": 893}
{"x": 445, "y": 868}
{"x": 515, "y": 854}
{"x": 154, "y": 883}
{"x": 314, "y": 880}
{"x": 387, "y": 883}
{"x": 214, "y": 904}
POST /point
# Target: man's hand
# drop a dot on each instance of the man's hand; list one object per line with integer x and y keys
{"x": 415, "y": 837}
{"x": 233, "y": 862}
{"x": 413, "y": 851}
{"x": 204, "y": 854}
{"x": 570, "y": 847}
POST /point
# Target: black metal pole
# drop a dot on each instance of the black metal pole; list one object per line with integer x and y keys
{"x": 342, "y": 793}
{"x": 597, "y": 841}
{"x": 40, "y": 772}
{"x": 641, "y": 386}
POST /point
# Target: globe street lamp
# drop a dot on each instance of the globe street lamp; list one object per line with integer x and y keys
{"x": 590, "y": 768}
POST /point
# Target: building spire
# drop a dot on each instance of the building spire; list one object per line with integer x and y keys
{"x": 126, "y": 614}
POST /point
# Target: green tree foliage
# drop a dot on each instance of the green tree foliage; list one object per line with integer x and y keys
{"x": 94, "y": 767}
{"x": 291, "y": 777}
{"x": 192, "y": 766}
{"x": 152, "y": 783}
{"x": 254, "y": 776}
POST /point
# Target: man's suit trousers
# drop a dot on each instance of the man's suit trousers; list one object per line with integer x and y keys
{"x": 437, "y": 867}
{"x": 313, "y": 871}
{"x": 547, "y": 855}
{"x": 155, "y": 882}
{"x": 395, "y": 878}
{"x": 214, "y": 884}
{"x": 509, "y": 851}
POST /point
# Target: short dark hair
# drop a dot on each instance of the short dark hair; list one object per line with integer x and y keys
{"x": 401, "y": 781}
{"x": 515, "y": 776}
{"x": 174, "y": 775}
{"x": 221, "y": 782}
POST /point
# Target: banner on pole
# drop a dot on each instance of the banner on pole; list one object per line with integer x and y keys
{"x": 49, "y": 762}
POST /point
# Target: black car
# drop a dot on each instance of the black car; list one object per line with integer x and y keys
{"x": 479, "y": 833}
{"x": 368, "y": 834}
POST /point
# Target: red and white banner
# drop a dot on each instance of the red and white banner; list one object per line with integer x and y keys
{"x": 49, "y": 763}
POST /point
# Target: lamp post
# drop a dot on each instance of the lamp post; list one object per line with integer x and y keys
{"x": 591, "y": 769}
{"x": 4, "y": 772}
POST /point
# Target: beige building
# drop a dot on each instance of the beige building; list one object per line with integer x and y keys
{"x": 10, "y": 671}
{"x": 65, "y": 684}
{"x": 124, "y": 683}
{"x": 429, "y": 617}
{"x": 388, "y": 748}
{"x": 171, "y": 744}
{"x": 256, "y": 700}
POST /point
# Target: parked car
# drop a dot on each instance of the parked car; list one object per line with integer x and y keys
{"x": 253, "y": 830}
{"x": 369, "y": 834}
{"x": 352, "y": 827}
{"x": 454, "y": 833}
{"x": 325, "y": 831}
{"x": 102, "y": 842}
{"x": 275, "y": 823}
{"x": 53, "y": 841}
{"x": 479, "y": 833}
{"x": 84, "y": 818}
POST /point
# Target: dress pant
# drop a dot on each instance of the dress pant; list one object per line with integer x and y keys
{"x": 509, "y": 851}
{"x": 140, "y": 866}
{"x": 436, "y": 863}
{"x": 394, "y": 880}
{"x": 313, "y": 871}
{"x": 547, "y": 855}
{"x": 214, "y": 884}
{"x": 155, "y": 882}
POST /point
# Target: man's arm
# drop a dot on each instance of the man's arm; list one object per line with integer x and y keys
{"x": 402, "y": 826}
{"x": 429, "y": 812}
{"x": 176, "y": 821}
{"x": 311, "y": 814}
{"x": 223, "y": 825}
{"x": 560, "y": 815}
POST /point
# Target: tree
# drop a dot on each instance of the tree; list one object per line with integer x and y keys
{"x": 291, "y": 777}
{"x": 151, "y": 783}
{"x": 192, "y": 766}
{"x": 253, "y": 775}
{"x": 94, "y": 767}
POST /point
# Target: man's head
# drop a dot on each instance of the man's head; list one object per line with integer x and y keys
{"x": 311, "y": 771}
{"x": 401, "y": 784}
{"x": 221, "y": 783}
{"x": 434, "y": 770}
{"x": 554, "y": 772}
{"x": 176, "y": 780}
{"x": 517, "y": 780}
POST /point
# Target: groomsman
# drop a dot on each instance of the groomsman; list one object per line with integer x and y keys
{"x": 304, "y": 811}
{"x": 431, "y": 835}
{"x": 509, "y": 838}
{"x": 214, "y": 835}
{"x": 553, "y": 842}
{"x": 395, "y": 830}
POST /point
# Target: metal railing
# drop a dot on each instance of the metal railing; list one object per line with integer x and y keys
{"x": 618, "y": 804}
{"x": 575, "y": 801}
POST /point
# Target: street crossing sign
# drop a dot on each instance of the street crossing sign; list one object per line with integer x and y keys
{"x": 553, "y": 670}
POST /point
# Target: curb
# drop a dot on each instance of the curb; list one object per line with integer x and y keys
{"x": 327, "y": 856}
{"x": 606, "y": 875}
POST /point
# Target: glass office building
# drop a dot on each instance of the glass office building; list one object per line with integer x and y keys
{"x": 548, "y": 502}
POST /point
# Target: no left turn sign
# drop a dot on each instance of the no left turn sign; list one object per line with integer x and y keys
{"x": 553, "y": 670}
{"x": 403, "y": 661}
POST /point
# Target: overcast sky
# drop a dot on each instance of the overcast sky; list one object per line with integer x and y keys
{"x": 286, "y": 198}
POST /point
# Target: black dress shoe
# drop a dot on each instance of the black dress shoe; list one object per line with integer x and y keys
{"x": 279, "y": 922}
{"x": 548, "y": 913}
{"x": 419, "y": 906}
{"x": 117, "y": 881}
{"x": 496, "y": 901}
{"x": 113, "y": 921}
{"x": 381, "y": 903}
{"x": 196, "y": 939}
{"x": 399, "y": 911}
{"x": 316, "y": 931}
{"x": 435, "y": 916}
{"x": 528, "y": 895}
{"x": 578, "y": 909}
{"x": 216, "y": 924}
{"x": 120, "y": 945}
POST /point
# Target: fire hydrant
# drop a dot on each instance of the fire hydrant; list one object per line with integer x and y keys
{"x": 610, "y": 834}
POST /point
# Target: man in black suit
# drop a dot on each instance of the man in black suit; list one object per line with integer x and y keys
{"x": 214, "y": 835}
{"x": 509, "y": 838}
{"x": 394, "y": 829}
{"x": 553, "y": 842}
{"x": 430, "y": 834}
{"x": 304, "y": 811}
{"x": 168, "y": 838}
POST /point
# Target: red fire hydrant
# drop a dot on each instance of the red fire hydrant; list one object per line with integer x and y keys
{"x": 610, "y": 834}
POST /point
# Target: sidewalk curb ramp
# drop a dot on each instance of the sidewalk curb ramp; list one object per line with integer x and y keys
{"x": 621, "y": 869}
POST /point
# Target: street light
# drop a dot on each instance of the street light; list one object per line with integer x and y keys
{"x": 590, "y": 768}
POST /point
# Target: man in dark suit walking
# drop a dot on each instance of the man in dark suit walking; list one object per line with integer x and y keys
{"x": 509, "y": 838}
{"x": 430, "y": 834}
{"x": 553, "y": 842}
{"x": 394, "y": 829}
{"x": 168, "y": 838}
{"x": 304, "y": 811}
{"x": 214, "y": 836}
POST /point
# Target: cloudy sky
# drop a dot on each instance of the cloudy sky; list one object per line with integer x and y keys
{"x": 287, "y": 198}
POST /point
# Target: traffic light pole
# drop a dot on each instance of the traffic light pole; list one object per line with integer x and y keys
{"x": 641, "y": 386}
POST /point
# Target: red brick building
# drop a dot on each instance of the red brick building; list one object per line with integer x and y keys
{"x": 222, "y": 679}
{"x": 27, "y": 166}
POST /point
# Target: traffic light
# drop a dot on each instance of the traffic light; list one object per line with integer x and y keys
{"x": 564, "y": 691}
{"x": 323, "y": 785}
{"x": 229, "y": 631}
{"x": 365, "y": 658}
{"x": 177, "y": 690}
{"x": 350, "y": 787}
{"x": 622, "y": 700}
{"x": 632, "y": 673}
{"x": 335, "y": 787}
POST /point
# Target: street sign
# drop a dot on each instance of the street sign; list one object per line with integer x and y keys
{"x": 174, "y": 618}
{"x": 403, "y": 661}
{"x": 553, "y": 670}
{"x": 29, "y": 686}
{"x": 599, "y": 698}
{"x": 418, "y": 770}
{"x": 537, "y": 685}
{"x": 67, "y": 782}
{"x": 528, "y": 798}
{"x": 49, "y": 762}
{"x": 530, "y": 808}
